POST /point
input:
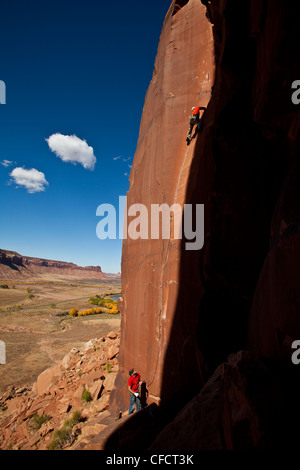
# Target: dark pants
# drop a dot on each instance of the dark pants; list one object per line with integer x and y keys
{"x": 195, "y": 120}
{"x": 134, "y": 401}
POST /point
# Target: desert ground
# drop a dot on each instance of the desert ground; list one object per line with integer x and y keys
{"x": 37, "y": 328}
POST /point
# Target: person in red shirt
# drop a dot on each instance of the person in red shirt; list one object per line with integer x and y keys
{"x": 194, "y": 119}
{"x": 133, "y": 387}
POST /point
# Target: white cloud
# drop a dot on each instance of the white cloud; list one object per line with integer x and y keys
{"x": 6, "y": 163}
{"x": 33, "y": 180}
{"x": 69, "y": 148}
{"x": 117, "y": 158}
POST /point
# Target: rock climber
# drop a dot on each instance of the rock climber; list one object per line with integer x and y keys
{"x": 133, "y": 387}
{"x": 194, "y": 120}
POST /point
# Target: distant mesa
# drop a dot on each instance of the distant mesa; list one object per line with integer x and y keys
{"x": 15, "y": 266}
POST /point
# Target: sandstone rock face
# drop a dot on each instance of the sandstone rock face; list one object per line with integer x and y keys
{"x": 13, "y": 265}
{"x": 184, "y": 312}
{"x": 46, "y": 379}
{"x": 183, "y": 77}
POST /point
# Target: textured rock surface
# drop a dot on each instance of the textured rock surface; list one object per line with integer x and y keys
{"x": 57, "y": 393}
{"x": 183, "y": 76}
{"x": 244, "y": 405}
{"x": 13, "y": 265}
{"x": 185, "y": 312}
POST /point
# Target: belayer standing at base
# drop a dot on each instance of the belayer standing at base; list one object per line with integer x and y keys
{"x": 133, "y": 387}
{"x": 194, "y": 120}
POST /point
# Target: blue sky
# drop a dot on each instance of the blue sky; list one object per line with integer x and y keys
{"x": 71, "y": 69}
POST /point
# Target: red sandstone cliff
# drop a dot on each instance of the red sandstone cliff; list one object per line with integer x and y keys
{"x": 13, "y": 265}
{"x": 217, "y": 324}
{"x": 183, "y": 77}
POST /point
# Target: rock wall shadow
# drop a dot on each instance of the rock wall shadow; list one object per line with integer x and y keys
{"x": 239, "y": 167}
{"x": 241, "y": 158}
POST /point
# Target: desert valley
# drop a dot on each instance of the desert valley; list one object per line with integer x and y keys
{"x": 35, "y": 325}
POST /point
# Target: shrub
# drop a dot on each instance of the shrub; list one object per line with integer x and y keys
{"x": 28, "y": 289}
{"x": 107, "y": 367}
{"x": 60, "y": 437}
{"x": 109, "y": 304}
{"x": 76, "y": 417}
{"x": 73, "y": 312}
{"x": 86, "y": 396}
{"x": 53, "y": 305}
{"x": 30, "y": 296}
{"x": 90, "y": 311}
{"x": 37, "y": 420}
{"x": 114, "y": 311}
{"x": 4, "y": 286}
{"x": 64, "y": 435}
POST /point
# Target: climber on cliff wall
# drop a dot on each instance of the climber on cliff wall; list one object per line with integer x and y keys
{"x": 194, "y": 120}
{"x": 133, "y": 387}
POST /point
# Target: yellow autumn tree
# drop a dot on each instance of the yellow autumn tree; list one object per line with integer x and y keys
{"x": 73, "y": 312}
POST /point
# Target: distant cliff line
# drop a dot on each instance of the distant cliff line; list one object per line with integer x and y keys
{"x": 13, "y": 265}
